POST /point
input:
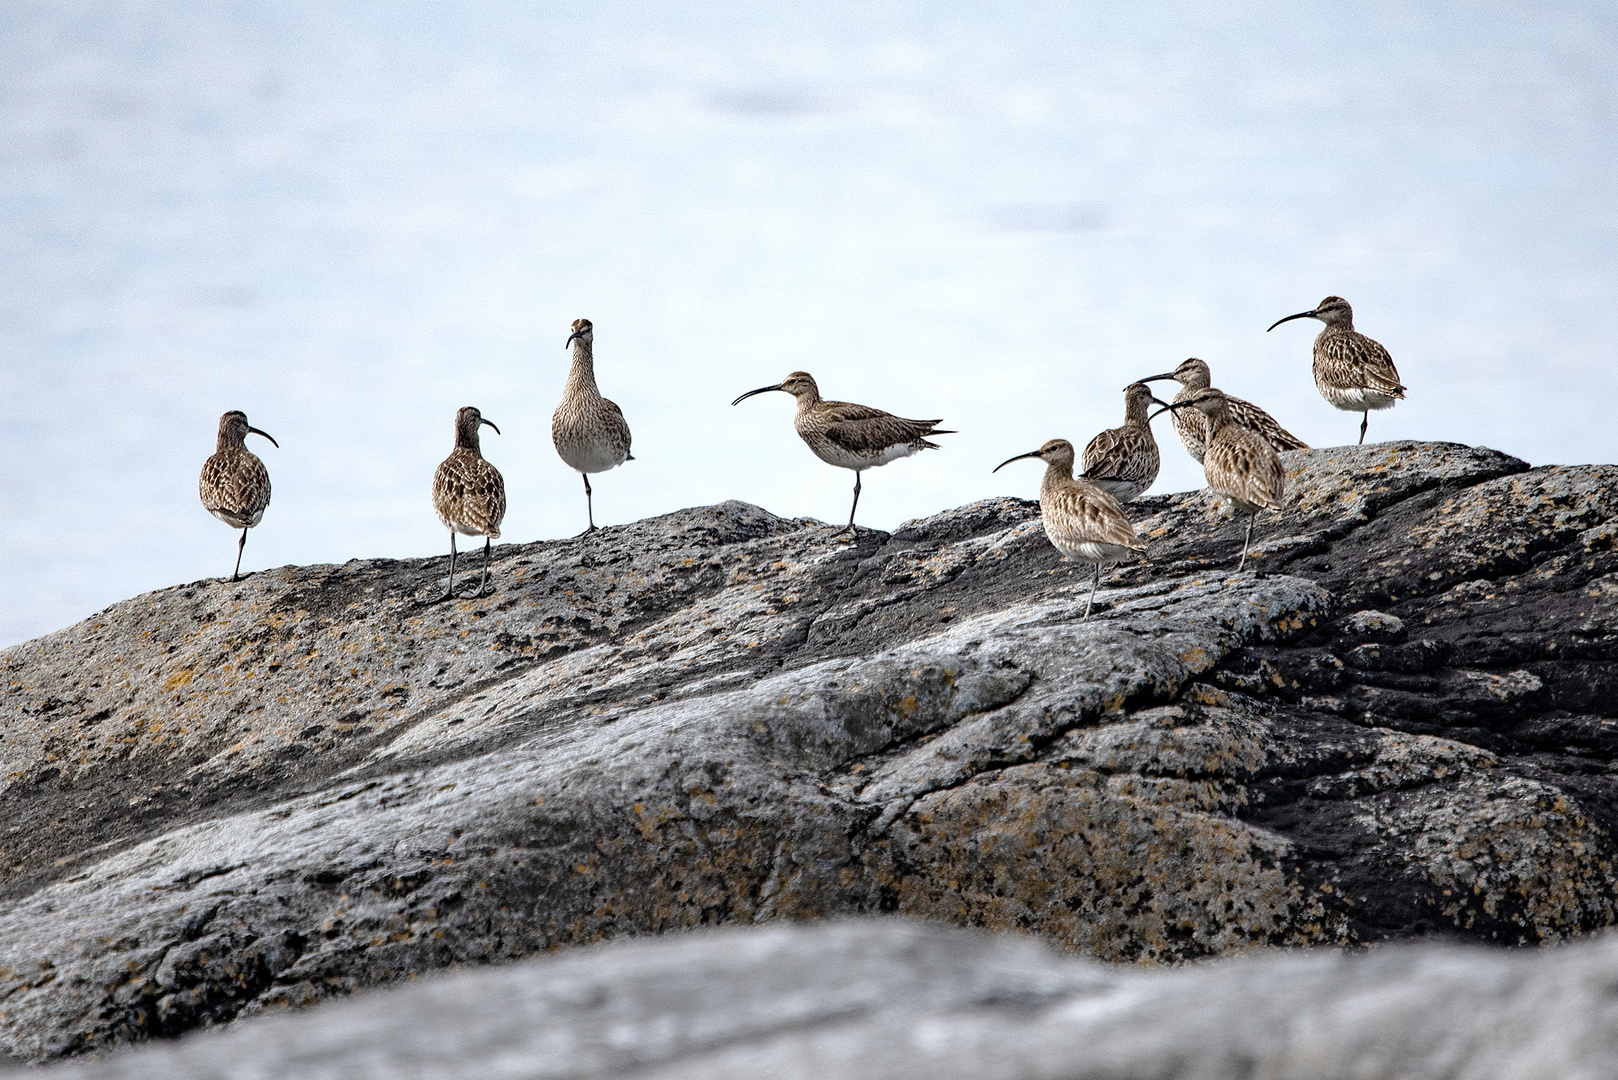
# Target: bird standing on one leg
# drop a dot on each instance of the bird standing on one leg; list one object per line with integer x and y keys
{"x": 1352, "y": 372}
{"x": 469, "y": 494}
{"x": 1081, "y": 521}
{"x": 589, "y": 431}
{"x": 849, "y": 436}
{"x": 1123, "y": 461}
{"x": 1192, "y": 427}
{"x": 235, "y": 485}
{"x": 1240, "y": 464}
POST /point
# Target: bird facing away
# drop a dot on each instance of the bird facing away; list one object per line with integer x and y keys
{"x": 469, "y": 494}
{"x": 589, "y": 431}
{"x": 1352, "y": 372}
{"x": 235, "y": 485}
{"x": 1192, "y": 427}
{"x": 850, "y": 436}
{"x": 1123, "y": 461}
{"x": 1081, "y": 521}
{"x": 1240, "y": 464}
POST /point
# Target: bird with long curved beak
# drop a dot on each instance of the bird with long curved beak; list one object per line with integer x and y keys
{"x": 235, "y": 485}
{"x": 1081, "y": 521}
{"x": 850, "y": 436}
{"x": 1192, "y": 427}
{"x": 1124, "y": 461}
{"x": 590, "y": 432}
{"x": 1240, "y": 464}
{"x": 1352, "y": 372}
{"x": 469, "y": 494}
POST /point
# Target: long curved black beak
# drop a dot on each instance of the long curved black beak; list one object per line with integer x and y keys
{"x": 570, "y": 338}
{"x": 760, "y": 390}
{"x": 1009, "y": 460}
{"x": 1156, "y": 378}
{"x": 266, "y": 434}
{"x": 481, "y": 420}
{"x": 1166, "y": 407}
{"x": 1311, "y": 314}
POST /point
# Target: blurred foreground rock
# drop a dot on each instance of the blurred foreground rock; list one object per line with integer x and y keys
{"x": 223, "y": 798}
{"x": 889, "y": 999}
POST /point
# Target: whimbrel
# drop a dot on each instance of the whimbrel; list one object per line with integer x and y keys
{"x": 1123, "y": 461}
{"x": 1352, "y": 372}
{"x": 235, "y": 485}
{"x": 1240, "y": 464}
{"x": 1192, "y": 426}
{"x": 589, "y": 431}
{"x": 851, "y": 436}
{"x": 1081, "y": 521}
{"x": 469, "y": 494}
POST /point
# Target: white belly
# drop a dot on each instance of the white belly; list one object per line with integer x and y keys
{"x": 236, "y": 522}
{"x": 1122, "y": 490}
{"x": 1355, "y": 399}
{"x": 833, "y": 454}
{"x": 1091, "y": 551}
{"x": 591, "y": 457}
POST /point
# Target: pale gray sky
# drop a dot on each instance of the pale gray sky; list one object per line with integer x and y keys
{"x": 349, "y": 219}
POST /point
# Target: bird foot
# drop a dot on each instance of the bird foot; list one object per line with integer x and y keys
{"x": 587, "y": 532}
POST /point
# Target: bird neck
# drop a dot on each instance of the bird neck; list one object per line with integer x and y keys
{"x": 467, "y": 439}
{"x": 229, "y": 440}
{"x": 1216, "y": 420}
{"x": 581, "y": 377}
{"x": 808, "y": 399}
{"x": 1136, "y": 410}
{"x": 1057, "y": 473}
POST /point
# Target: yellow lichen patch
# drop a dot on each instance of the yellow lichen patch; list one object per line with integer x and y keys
{"x": 178, "y": 679}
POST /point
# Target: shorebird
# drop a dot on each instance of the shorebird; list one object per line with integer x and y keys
{"x": 1240, "y": 464}
{"x": 1192, "y": 427}
{"x": 1352, "y": 372}
{"x": 235, "y": 485}
{"x": 851, "y": 436}
{"x": 1123, "y": 461}
{"x": 1081, "y": 521}
{"x": 589, "y": 431}
{"x": 469, "y": 494}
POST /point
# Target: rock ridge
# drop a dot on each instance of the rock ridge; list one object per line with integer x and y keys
{"x": 227, "y": 798}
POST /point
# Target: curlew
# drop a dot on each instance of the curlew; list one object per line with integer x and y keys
{"x": 1123, "y": 461}
{"x": 235, "y": 485}
{"x": 1352, "y": 372}
{"x": 849, "y": 436}
{"x": 1192, "y": 427}
{"x": 469, "y": 494}
{"x": 1240, "y": 464}
{"x": 589, "y": 431}
{"x": 1081, "y": 521}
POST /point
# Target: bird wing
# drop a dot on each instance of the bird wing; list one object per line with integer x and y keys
{"x": 620, "y": 426}
{"x": 1121, "y": 453}
{"x": 861, "y": 429}
{"x": 1086, "y": 513}
{"x": 1253, "y": 418}
{"x": 1244, "y": 466}
{"x": 1354, "y": 361}
{"x": 238, "y": 484}
{"x": 470, "y": 491}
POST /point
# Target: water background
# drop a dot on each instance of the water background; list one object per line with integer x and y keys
{"x": 348, "y": 219}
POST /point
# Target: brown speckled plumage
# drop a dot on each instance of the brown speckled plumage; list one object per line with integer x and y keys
{"x": 851, "y": 436}
{"x": 235, "y": 485}
{"x": 1240, "y": 464}
{"x": 1081, "y": 521}
{"x": 1192, "y": 427}
{"x": 469, "y": 494}
{"x": 590, "y": 432}
{"x": 1352, "y": 372}
{"x": 1123, "y": 461}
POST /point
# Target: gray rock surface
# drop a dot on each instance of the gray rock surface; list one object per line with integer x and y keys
{"x": 222, "y": 799}
{"x": 889, "y": 999}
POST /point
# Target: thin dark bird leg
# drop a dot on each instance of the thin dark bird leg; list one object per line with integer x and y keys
{"x": 450, "y": 591}
{"x": 589, "y": 507}
{"x": 485, "y": 581}
{"x": 236, "y": 574}
{"x": 856, "y": 505}
{"x": 1248, "y": 540}
{"x": 1092, "y": 597}
{"x": 1363, "y": 425}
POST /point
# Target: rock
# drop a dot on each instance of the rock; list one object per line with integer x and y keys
{"x": 890, "y": 999}
{"x": 223, "y": 799}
